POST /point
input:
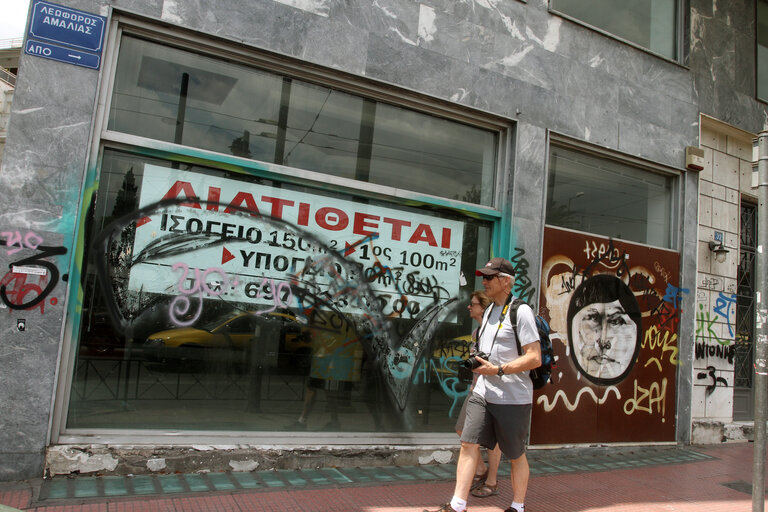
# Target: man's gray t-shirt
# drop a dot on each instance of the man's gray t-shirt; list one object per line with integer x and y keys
{"x": 515, "y": 388}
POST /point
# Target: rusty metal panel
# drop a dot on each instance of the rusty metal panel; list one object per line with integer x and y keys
{"x": 613, "y": 308}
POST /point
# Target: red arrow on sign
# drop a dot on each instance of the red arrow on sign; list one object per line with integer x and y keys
{"x": 226, "y": 255}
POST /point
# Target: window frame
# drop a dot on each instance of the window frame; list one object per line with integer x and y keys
{"x": 333, "y": 79}
{"x": 103, "y": 139}
{"x": 681, "y": 24}
{"x": 562, "y": 141}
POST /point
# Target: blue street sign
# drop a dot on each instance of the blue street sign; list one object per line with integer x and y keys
{"x": 57, "y": 24}
{"x": 68, "y": 55}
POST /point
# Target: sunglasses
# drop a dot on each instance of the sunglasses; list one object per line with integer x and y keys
{"x": 488, "y": 278}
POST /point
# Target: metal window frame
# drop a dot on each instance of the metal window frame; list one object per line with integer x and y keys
{"x": 680, "y": 37}
{"x": 565, "y": 142}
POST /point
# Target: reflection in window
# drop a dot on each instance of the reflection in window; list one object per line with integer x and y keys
{"x": 177, "y": 96}
{"x": 278, "y": 328}
{"x": 647, "y": 23}
{"x": 606, "y": 197}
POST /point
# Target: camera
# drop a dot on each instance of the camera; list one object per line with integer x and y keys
{"x": 471, "y": 362}
{"x": 467, "y": 365}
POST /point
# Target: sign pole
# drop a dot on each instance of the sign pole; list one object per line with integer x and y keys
{"x": 760, "y": 382}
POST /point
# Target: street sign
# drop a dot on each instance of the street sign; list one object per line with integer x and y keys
{"x": 64, "y": 34}
{"x": 68, "y": 55}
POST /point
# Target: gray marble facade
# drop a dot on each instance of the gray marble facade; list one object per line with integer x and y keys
{"x": 507, "y": 57}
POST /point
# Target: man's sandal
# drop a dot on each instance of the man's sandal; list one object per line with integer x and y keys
{"x": 478, "y": 481}
{"x": 486, "y": 490}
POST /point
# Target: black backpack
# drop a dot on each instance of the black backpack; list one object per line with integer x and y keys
{"x": 541, "y": 375}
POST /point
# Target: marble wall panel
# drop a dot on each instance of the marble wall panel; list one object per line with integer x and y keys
{"x": 13, "y": 464}
{"x": 46, "y": 148}
{"x": 153, "y": 9}
{"x": 501, "y": 17}
{"x": 654, "y": 142}
{"x": 329, "y": 44}
{"x": 665, "y": 76}
{"x": 29, "y": 345}
{"x": 527, "y": 191}
{"x": 602, "y": 127}
{"x": 455, "y": 38}
{"x": 397, "y": 18}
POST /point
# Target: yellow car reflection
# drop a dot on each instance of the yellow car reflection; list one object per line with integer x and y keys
{"x": 230, "y": 338}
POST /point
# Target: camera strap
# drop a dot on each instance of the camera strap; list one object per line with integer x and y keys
{"x": 487, "y": 316}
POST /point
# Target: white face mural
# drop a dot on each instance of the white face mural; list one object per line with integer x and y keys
{"x": 604, "y": 339}
{"x": 603, "y": 329}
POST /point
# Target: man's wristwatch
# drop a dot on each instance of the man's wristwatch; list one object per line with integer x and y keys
{"x": 500, "y": 373}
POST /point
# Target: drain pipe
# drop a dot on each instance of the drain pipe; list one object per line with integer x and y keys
{"x": 760, "y": 383}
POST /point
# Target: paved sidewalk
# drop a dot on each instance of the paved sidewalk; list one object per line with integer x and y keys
{"x": 711, "y": 479}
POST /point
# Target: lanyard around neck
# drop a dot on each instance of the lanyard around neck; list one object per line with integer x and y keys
{"x": 487, "y": 317}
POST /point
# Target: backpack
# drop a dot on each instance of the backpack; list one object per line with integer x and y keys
{"x": 541, "y": 375}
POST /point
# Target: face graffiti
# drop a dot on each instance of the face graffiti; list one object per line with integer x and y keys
{"x": 604, "y": 339}
{"x": 614, "y": 308}
{"x": 604, "y": 329}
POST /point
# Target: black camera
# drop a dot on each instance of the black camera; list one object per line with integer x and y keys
{"x": 471, "y": 362}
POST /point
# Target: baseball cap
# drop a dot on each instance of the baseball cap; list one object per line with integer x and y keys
{"x": 495, "y": 266}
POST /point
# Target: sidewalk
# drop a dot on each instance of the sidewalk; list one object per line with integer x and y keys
{"x": 702, "y": 478}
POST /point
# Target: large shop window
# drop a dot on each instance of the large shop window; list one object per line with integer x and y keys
{"x": 223, "y": 300}
{"x": 199, "y": 314}
{"x": 651, "y": 24}
{"x": 217, "y": 297}
{"x": 599, "y": 195}
{"x": 173, "y": 95}
{"x": 762, "y": 50}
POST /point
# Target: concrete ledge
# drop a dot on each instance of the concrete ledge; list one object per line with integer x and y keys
{"x": 706, "y": 431}
{"x": 123, "y": 460}
{"x": 137, "y": 460}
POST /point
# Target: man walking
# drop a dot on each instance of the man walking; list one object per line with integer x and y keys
{"x": 499, "y": 409}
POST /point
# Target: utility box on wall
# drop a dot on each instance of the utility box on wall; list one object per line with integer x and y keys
{"x": 694, "y": 158}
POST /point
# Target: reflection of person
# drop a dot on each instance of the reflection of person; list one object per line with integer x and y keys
{"x": 335, "y": 367}
{"x": 499, "y": 409}
{"x": 484, "y": 482}
{"x": 604, "y": 328}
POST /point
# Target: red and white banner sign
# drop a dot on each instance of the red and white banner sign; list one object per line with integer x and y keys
{"x": 420, "y": 253}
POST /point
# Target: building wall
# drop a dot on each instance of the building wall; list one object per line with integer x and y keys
{"x": 511, "y": 59}
{"x": 725, "y": 182}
